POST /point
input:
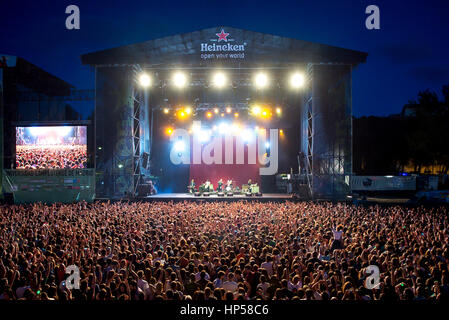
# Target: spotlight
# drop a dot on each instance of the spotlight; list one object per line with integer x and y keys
{"x": 204, "y": 135}
{"x": 296, "y": 80}
{"x": 223, "y": 128}
{"x": 214, "y": 128}
{"x": 236, "y": 114}
{"x": 278, "y": 110}
{"x": 165, "y": 110}
{"x": 196, "y": 127}
{"x": 228, "y": 110}
{"x": 261, "y": 80}
{"x": 247, "y": 135}
{"x": 281, "y": 132}
{"x": 169, "y": 131}
{"x": 209, "y": 114}
{"x": 180, "y": 146}
{"x": 144, "y": 80}
{"x": 256, "y": 110}
{"x": 216, "y": 110}
{"x": 264, "y": 113}
{"x": 120, "y": 166}
{"x": 219, "y": 80}
{"x": 222, "y": 114}
{"x": 188, "y": 110}
{"x": 179, "y": 80}
{"x": 267, "y": 145}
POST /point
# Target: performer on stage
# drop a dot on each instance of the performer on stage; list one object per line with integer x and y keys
{"x": 191, "y": 187}
{"x": 153, "y": 189}
{"x": 249, "y": 186}
{"x": 220, "y": 185}
{"x": 229, "y": 185}
{"x": 207, "y": 186}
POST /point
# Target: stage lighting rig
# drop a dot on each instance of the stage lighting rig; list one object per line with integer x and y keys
{"x": 219, "y": 80}
{"x": 261, "y": 80}
{"x": 256, "y": 110}
{"x": 196, "y": 127}
{"x": 144, "y": 80}
{"x": 297, "y": 80}
{"x": 179, "y": 79}
{"x": 169, "y": 131}
{"x": 247, "y": 135}
{"x": 180, "y": 146}
{"x": 204, "y": 135}
{"x": 223, "y": 128}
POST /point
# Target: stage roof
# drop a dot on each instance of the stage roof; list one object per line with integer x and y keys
{"x": 19, "y": 70}
{"x": 227, "y": 46}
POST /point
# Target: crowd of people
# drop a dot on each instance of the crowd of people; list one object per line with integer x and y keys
{"x": 222, "y": 251}
{"x": 51, "y": 157}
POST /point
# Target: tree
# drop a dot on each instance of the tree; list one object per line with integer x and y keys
{"x": 428, "y": 129}
{"x": 384, "y": 145}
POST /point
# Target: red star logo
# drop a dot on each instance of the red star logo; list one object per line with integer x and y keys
{"x": 222, "y": 36}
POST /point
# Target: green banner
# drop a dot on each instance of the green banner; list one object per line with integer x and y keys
{"x": 50, "y": 186}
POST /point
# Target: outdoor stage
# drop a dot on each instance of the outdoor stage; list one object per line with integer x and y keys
{"x": 247, "y": 109}
{"x": 188, "y": 196}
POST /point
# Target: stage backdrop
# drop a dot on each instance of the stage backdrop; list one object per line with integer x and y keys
{"x": 213, "y": 155}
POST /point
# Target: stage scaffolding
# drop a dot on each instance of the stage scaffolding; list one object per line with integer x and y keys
{"x": 122, "y": 130}
{"x": 327, "y": 130}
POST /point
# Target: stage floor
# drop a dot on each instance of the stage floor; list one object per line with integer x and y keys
{"x": 188, "y": 196}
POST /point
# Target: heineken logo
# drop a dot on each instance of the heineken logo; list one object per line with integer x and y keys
{"x": 222, "y": 47}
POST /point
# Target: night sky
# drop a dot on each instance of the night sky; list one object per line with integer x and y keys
{"x": 408, "y": 54}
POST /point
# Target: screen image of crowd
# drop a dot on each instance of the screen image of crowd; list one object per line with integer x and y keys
{"x": 223, "y": 251}
{"x": 62, "y": 147}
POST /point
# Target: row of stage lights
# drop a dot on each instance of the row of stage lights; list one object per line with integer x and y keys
{"x": 224, "y": 128}
{"x": 205, "y": 135}
{"x": 220, "y": 80}
{"x": 256, "y": 111}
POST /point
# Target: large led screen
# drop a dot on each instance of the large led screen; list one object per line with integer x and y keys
{"x": 51, "y": 147}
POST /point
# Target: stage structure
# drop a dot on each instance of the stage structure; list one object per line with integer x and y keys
{"x": 38, "y": 119}
{"x": 151, "y": 96}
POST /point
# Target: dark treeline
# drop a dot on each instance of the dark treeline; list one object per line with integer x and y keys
{"x": 418, "y": 138}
